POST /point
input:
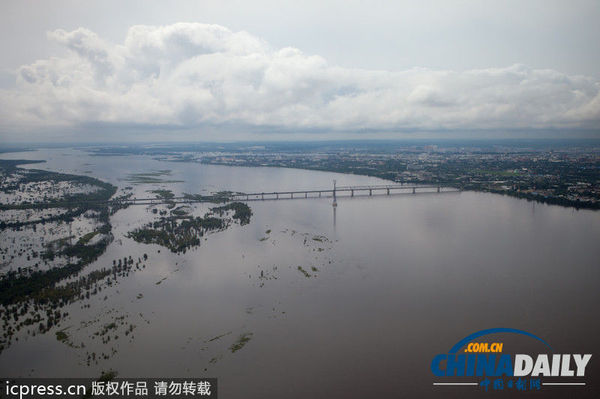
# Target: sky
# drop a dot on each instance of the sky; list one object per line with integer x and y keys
{"x": 237, "y": 70}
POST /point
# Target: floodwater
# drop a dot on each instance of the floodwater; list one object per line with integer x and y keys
{"x": 385, "y": 283}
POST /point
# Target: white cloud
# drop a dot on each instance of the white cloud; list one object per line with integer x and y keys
{"x": 192, "y": 75}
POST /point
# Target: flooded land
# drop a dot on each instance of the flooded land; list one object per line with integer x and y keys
{"x": 276, "y": 298}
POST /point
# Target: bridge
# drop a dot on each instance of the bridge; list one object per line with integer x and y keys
{"x": 347, "y": 191}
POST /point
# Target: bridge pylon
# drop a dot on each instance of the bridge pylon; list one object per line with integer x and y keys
{"x": 334, "y": 195}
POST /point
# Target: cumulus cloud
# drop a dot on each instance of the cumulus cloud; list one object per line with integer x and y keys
{"x": 193, "y": 75}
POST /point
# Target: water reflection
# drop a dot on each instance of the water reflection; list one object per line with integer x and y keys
{"x": 334, "y": 216}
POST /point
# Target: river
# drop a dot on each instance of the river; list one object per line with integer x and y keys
{"x": 353, "y": 301}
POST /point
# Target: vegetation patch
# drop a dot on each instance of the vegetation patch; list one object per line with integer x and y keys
{"x": 175, "y": 234}
{"x": 304, "y": 272}
{"x": 180, "y": 211}
{"x": 86, "y": 193}
{"x": 181, "y": 232}
{"x": 151, "y": 177}
{"x": 87, "y": 237}
{"x": 219, "y": 197}
{"x": 107, "y": 376}
{"x": 62, "y": 336}
{"x": 241, "y": 342}
{"x": 163, "y": 194}
{"x": 242, "y": 212}
{"x": 218, "y": 337}
{"x": 32, "y": 301}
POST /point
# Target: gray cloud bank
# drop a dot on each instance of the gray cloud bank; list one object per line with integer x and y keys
{"x": 189, "y": 75}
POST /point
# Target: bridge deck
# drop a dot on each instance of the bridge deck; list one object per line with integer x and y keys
{"x": 298, "y": 194}
{"x": 350, "y": 191}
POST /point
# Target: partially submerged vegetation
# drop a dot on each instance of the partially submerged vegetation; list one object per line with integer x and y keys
{"x": 18, "y": 285}
{"x": 41, "y": 285}
{"x": 175, "y": 233}
{"x": 25, "y": 186}
{"x": 218, "y": 197}
{"x": 242, "y": 212}
{"x": 151, "y": 177}
{"x": 44, "y": 277}
{"x": 181, "y": 231}
{"x": 35, "y": 303}
{"x": 304, "y": 272}
{"x": 163, "y": 194}
{"x": 218, "y": 337}
{"x": 38, "y": 190}
{"x": 241, "y": 342}
{"x": 62, "y": 336}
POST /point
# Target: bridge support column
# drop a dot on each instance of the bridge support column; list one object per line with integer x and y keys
{"x": 291, "y": 195}
{"x": 247, "y": 197}
{"x": 370, "y": 192}
{"x": 305, "y": 195}
{"x": 352, "y": 193}
{"x": 414, "y": 190}
{"x": 438, "y": 189}
{"x": 262, "y": 196}
{"x": 388, "y": 191}
{"x": 277, "y": 194}
{"x": 319, "y": 194}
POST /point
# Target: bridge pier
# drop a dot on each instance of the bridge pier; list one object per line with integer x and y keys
{"x": 262, "y": 195}
{"x": 414, "y": 190}
{"x": 352, "y": 193}
{"x": 277, "y": 194}
{"x": 370, "y": 192}
{"x": 306, "y": 195}
{"x": 388, "y": 191}
{"x": 291, "y": 195}
{"x": 247, "y": 197}
{"x": 438, "y": 189}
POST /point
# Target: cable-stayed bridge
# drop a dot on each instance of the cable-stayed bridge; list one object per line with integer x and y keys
{"x": 345, "y": 191}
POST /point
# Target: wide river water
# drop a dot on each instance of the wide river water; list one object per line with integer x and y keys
{"x": 390, "y": 282}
